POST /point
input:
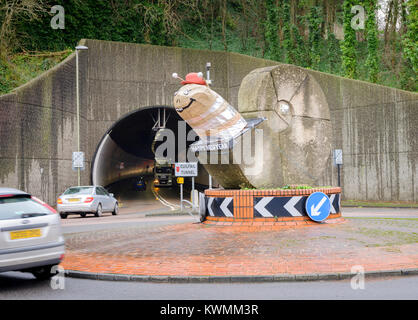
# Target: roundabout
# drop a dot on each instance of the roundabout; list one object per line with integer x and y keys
{"x": 196, "y": 252}
{"x": 277, "y": 207}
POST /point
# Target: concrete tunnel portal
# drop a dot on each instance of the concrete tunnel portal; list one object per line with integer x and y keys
{"x": 125, "y": 151}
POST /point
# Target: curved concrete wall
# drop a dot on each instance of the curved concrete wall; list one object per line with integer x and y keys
{"x": 38, "y": 131}
{"x": 374, "y": 125}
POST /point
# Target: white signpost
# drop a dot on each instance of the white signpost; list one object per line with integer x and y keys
{"x": 78, "y": 161}
{"x": 186, "y": 169}
{"x": 338, "y": 156}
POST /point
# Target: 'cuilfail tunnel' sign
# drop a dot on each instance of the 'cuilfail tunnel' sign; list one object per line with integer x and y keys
{"x": 186, "y": 169}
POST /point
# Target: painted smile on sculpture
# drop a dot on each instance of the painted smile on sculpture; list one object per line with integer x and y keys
{"x": 184, "y": 108}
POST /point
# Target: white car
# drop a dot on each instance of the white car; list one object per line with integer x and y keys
{"x": 86, "y": 199}
{"x": 31, "y": 238}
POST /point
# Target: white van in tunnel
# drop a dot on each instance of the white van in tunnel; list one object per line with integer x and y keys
{"x": 31, "y": 238}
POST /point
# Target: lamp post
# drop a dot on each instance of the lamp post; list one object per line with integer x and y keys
{"x": 78, "y": 48}
{"x": 209, "y": 82}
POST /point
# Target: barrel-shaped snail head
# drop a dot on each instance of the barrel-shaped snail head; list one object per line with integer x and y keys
{"x": 204, "y": 110}
{"x": 194, "y": 86}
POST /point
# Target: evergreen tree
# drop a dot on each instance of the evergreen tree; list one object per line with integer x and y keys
{"x": 287, "y": 39}
{"x": 333, "y": 54}
{"x": 272, "y": 31}
{"x": 372, "y": 62}
{"x": 288, "y": 31}
{"x": 410, "y": 40}
{"x": 315, "y": 20}
{"x": 299, "y": 48}
{"x": 348, "y": 45}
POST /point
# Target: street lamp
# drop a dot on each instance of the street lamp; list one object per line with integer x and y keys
{"x": 78, "y": 48}
{"x": 209, "y": 82}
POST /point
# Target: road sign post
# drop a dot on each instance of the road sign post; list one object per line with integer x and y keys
{"x": 180, "y": 181}
{"x": 338, "y": 161}
{"x": 339, "y": 175}
{"x": 193, "y": 191}
{"x": 181, "y": 197}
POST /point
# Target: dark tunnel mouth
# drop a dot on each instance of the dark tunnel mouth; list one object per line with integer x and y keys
{"x": 118, "y": 129}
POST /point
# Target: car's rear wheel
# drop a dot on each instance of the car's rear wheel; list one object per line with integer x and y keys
{"x": 64, "y": 215}
{"x": 116, "y": 209}
{"x": 83, "y": 214}
{"x": 99, "y": 211}
{"x": 43, "y": 273}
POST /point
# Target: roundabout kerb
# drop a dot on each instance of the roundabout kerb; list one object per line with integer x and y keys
{"x": 259, "y": 207}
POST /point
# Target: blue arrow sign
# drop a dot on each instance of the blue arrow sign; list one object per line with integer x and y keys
{"x": 318, "y": 206}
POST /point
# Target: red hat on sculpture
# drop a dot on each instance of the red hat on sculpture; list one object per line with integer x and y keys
{"x": 196, "y": 78}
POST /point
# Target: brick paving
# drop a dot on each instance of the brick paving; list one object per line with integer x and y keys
{"x": 232, "y": 250}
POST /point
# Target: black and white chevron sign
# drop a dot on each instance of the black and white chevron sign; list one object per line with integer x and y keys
{"x": 335, "y": 203}
{"x": 287, "y": 206}
{"x": 220, "y": 207}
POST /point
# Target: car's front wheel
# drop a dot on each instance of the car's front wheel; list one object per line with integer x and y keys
{"x": 99, "y": 211}
{"x": 64, "y": 215}
{"x": 83, "y": 214}
{"x": 116, "y": 209}
{"x": 43, "y": 273}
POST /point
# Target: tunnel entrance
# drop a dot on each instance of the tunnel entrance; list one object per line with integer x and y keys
{"x": 125, "y": 153}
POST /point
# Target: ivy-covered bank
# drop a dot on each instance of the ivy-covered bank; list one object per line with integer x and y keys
{"x": 309, "y": 33}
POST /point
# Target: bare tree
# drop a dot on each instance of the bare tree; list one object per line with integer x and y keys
{"x": 166, "y": 11}
{"x": 10, "y": 10}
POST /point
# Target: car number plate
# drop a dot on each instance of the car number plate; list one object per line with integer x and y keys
{"x": 74, "y": 200}
{"x": 24, "y": 234}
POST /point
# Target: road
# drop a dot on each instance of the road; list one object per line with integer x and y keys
{"x": 136, "y": 209}
{"x": 352, "y": 212}
{"x": 152, "y": 199}
{"x": 14, "y": 285}
{"x": 136, "y": 216}
{"x": 127, "y": 220}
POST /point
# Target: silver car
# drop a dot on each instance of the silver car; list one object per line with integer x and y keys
{"x": 86, "y": 199}
{"x": 31, "y": 238}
